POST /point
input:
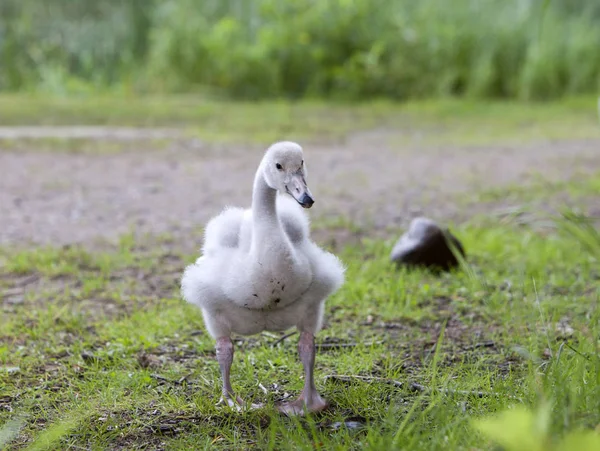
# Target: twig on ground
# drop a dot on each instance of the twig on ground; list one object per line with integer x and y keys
{"x": 285, "y": 337}
{"x": 382, "y": 325}
{"x": 269, "y": 334}
{"x": 12, "y": 291}
{"x": 345, "y": 345}
{"x": 262, "y": 387}
{"x": 28, "y": 280}
{"x": 393, "y": 326}
{"x": 19, "y": 288}
{"x": 485, "y": 344}
{"x": 414, "y": 386}
{"x": 576, "y": 351}
{"x": 479, "y": 394}
{"x": 346, "y": 378}
{"x": 158, "y": 377}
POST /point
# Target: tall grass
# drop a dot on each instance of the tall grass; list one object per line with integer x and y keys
{"x": 526, "y": 49}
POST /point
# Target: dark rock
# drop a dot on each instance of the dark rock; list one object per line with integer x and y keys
{"x": 88, "y": 357}
{"x": 427, "y": 244}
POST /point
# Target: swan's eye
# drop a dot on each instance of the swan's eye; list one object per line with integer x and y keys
{"x": 278, "y": 166}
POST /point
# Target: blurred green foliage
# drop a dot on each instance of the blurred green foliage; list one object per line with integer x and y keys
{"x": 351, "y": 49}
{"x": 521, "y": 429}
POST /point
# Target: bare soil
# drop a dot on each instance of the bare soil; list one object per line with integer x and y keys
{"x": 64, "y": 198}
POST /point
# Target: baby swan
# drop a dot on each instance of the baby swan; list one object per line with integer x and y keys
{"x": 260, "y": 271}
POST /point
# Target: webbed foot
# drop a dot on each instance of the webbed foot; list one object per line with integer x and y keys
{"x": 301, "y": 405}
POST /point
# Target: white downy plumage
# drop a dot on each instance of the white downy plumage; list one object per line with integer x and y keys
{"x": 260, "y": 271}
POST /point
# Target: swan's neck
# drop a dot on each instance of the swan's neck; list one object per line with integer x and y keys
{"x": 264, "y": 211}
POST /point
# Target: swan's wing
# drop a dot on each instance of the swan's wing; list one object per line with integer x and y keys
{"x": 293, "y": 219}
{"x": 328, "y": 269}
{"x": 223, "y": 231}
{"x": 201, "y": 281}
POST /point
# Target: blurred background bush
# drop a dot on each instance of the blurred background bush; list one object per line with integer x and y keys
{"x": 346, "y": 49}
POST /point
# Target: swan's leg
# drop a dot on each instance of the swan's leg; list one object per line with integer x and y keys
{"x": 225, "y": 358}
{"x": 309, "y": 399}
{"x": 328, "y": 277}
{"x": 224, "y": 350}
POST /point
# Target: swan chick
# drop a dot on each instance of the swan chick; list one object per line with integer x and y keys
{"x": 260, "y": 271}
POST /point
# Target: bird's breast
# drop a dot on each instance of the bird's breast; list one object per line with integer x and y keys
{"x": 273, "y": 288}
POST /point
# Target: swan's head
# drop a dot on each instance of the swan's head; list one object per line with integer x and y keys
{"x": 284, "y": 169}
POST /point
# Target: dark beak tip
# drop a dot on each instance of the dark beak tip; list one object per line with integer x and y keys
{"x": 306, "y": 201}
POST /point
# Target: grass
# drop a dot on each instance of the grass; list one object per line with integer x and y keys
{"x": 576, "y": 191}
{"x": 97, "y": 351}
{"x": 440, "y": 122}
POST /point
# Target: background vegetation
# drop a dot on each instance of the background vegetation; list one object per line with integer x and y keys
{"x": 352, "y": 49}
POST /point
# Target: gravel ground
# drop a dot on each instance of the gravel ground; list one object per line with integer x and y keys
{"x": 54, "y": 197}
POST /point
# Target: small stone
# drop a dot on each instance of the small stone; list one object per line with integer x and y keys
{"x": 564, "y": 329}
{"x": 88, "y": 357}
{"x": 353, "y": 423}
{"x": 426, "y": 244}
{"x": 146, "y": 360}
{"x": 505, "y": 286}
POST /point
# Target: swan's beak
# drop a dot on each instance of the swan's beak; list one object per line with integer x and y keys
{"x": 298, "y": 190}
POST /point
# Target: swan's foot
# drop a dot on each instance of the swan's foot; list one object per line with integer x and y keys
{"x": 225, "y": 358}
{"x": 301, "y": 405}
{"x": 309, "y": 401}
{"x": 238, "y": 404}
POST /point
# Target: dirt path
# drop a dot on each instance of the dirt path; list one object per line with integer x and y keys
{"x": 58, "y": 198}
